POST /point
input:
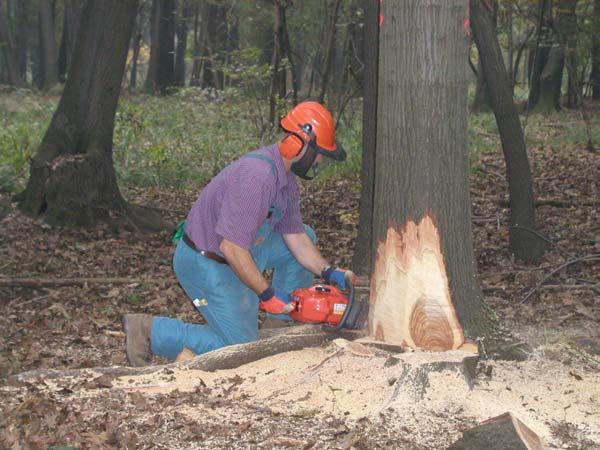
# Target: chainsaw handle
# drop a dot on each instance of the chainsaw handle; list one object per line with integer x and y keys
{"x": 340, "y": 325}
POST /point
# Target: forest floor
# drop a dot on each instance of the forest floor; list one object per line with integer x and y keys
{"x": 284, "y": 401}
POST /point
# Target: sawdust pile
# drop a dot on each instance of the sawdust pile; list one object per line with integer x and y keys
{"x": 358, "y": 386}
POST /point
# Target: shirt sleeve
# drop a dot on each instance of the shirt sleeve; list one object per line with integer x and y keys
{"x": 245, "y": 206}
{"x": 291, "y": 222}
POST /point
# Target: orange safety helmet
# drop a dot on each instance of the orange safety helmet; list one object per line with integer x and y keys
{"x": 310, "y": 123}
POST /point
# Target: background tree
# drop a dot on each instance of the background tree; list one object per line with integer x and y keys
{"x": 424, "y": 271}
{"x": 183, "y": 14}
{"x": 48, "y": 67}
{"x": 595, "y": 52}
{"x": 161, "y": 68}
{"x": 72, "y": 178}
{"x": 71, "y": 15}
{"x": 363, "y": 249}
{"x": 523, "y": 237}
{"x": 8, "y": 50}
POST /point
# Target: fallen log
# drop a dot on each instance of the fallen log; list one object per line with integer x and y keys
{"x": 499, "y": 433}
{"x": 230, "y": 357}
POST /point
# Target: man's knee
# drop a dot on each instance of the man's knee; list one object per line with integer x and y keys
{"x": 311, "y": 233}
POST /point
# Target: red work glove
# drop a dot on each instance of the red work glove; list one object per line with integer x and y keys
{"x": 276, "y": 302}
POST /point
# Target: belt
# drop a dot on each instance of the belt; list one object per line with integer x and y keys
{"x": 210, "y": 255}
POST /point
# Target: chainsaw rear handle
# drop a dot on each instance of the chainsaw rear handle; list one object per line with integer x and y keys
{"x": 340, "y": 325}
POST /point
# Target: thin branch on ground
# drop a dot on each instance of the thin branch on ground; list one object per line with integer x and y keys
{"x": 592, "y": 257}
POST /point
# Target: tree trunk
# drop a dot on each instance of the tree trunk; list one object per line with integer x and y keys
{"x": 136, "y": 44}
{"x": 363, "y": 249}
{"x": 199, "y": 44}
{"x": 545, "y": 64}
{"x": 278, "y": 78}
{"x": 8, "y": 51}
{"x": 329, "y": 50}
{"x": 481, "y": 101}
{"x": 523, "y": 243}
{"x": 21, "y": 37}
{"x": 510, "y": 43}
{"x": 182, "y": 33}
{"x": 72, "y": 178}
{"x": 161, "y": 68}
{"x": 595, "y": 74}
{"x": 566, "y": 31}
{"x": 47, "y": 46}
{"x": 216, "y": 36}
{"x": 423, "y": 284}
{"x": 67, "y": 43}
{"x": 287, "y": 51}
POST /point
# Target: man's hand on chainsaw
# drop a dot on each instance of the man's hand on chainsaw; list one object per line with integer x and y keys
{"x": 275, "y": 302}
{"x": 341, "y": 277}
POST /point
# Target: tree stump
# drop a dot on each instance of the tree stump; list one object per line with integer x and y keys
{"x": 499, "y": 433}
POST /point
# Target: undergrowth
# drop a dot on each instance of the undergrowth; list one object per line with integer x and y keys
{"x": 188, "y": 137}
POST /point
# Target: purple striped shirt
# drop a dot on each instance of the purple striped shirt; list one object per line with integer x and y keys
{"x": 236, "y": 202}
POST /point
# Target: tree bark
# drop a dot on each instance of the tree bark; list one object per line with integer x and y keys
{"x": 136, "y": 44}
{"x": 72, "y": 179}
{"x": 363, "y": 250}
{"x": 423, "y": 284}
{"x": 21, "y": 37}
{"x": 199, "y": 43}
{"x": 329, "y": 50}
{"x": 545, "y": 65}
{"x": 47, "y": 46}
{"x": 522, "y": 210}
{"x": 161, "y": 68}
{"x": 481, "y": 101}
{"x": 595, "y": 73}
{"x": 8, "y": 50}
{"x": 182, "y": 33}
{"x": 278, "y": 78}
{"x": 67, "y": 43}
{"x": 216, "y": 36}
{"x": 566, "y": 31}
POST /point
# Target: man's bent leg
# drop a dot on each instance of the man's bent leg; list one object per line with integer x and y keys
{"x": 229, "y": 307}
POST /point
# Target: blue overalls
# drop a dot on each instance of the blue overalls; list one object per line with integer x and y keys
{"x": 229, "y": 307}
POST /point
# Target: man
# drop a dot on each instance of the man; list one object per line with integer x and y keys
{"x": 246, "y": 220}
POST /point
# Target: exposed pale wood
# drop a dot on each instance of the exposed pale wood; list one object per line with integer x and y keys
{"x": 499, "y": 433}
{"x": 288, "y": 339}
{"x": 410, "y": 297}
{"x": 417, "y": 367}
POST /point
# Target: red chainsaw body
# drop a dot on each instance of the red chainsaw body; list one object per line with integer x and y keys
{"x": 319, "y": 304}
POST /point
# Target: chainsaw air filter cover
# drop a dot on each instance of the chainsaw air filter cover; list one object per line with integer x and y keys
{"x": 319, "y": 304}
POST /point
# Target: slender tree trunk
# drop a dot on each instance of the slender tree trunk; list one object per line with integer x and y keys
{"x": 278, "y": 87}
{"x": 72, "y": 178}
{"x": 523, "y": 241}
{"x": 329, "y": 52}
{"x": 216, "y": 36}
{"x": 545, "y": 64}
{"x": 199, "y": 41}
{"x": 182, "y": 33}
{"x": 423, "y": 285}
{"x": 566, "y": 31}
{"x": 47, "y": 46}
{"x": 136, "y": 44}
{"x": 520, "y": 51}
{"x": 161, "y": 68}
{"x": 363, "y": 249}
{"x": 551, "y": 82}
{"x": 8, "y": 51}
{"x": 287, "y": 51}
{"x": 509, "y": 18}
{"x": 595, "y": 73}
{"x": 21, "y": 37}
{"x": 481, "y": 101}
{"x": 67, "y": 43}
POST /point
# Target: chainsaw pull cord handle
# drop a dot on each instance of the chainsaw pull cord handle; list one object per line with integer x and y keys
{"x": 340, "y": 325}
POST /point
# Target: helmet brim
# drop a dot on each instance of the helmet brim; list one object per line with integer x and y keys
{"x": 339, "y": 154}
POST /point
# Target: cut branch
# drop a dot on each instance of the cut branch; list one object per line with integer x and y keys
{"x": 230, "y": 357}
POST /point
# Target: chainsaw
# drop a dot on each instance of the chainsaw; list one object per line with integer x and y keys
{"x": 328, "y": 305}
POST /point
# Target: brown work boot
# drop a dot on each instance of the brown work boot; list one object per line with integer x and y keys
{"x": 138, "y": 328}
